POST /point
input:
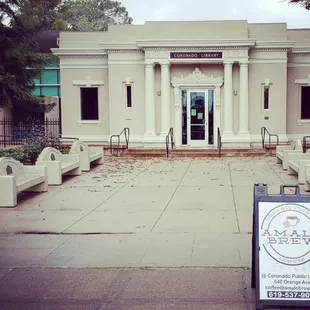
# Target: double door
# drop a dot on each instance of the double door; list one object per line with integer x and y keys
{"x": 198, "y": 117}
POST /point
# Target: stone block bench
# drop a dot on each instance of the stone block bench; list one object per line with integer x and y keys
{"x": 58, "y": 164}
{"x": 16, "y": 178}
{"x": 88, "y": 154}
{"x": 297, "y": 165}
{"x": 307, "y": 181}
{"x": 282, "y": 152}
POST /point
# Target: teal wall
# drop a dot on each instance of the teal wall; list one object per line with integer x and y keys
{"x": 48, "y": 84}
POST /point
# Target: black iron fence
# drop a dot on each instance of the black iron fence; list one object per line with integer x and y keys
{"x": 13, "y": 132}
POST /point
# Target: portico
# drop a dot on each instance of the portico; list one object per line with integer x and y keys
{"x": 172, "y": 107}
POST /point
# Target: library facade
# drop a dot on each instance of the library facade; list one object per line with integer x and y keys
{"x": 194, "y": 77}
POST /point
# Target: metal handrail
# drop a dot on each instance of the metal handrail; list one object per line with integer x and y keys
{"x": 219, "y": 141}
{"x": 169, "y": 135}
{"x": 263, "y": 132}
{"x": 126, "y": 132}
{"x": 304, "y": 143}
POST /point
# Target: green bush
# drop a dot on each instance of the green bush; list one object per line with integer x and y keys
{"x": 37, "y": 140}
{"x": 18, "y": 153}
{"x": 64, "y": 150}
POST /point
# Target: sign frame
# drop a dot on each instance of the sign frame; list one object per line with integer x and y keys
{"x": 196, "y": 55}
{"x": 261, "y": 195}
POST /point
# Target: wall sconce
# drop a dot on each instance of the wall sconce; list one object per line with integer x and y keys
{"x": 235, "y": 92}
{"x": 159, "y": 92}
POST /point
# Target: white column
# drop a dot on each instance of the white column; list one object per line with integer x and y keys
{"x": 228, "y": 108}
{"x": 165, "y": 98}
{"x": 244, "y": 99}
{"x": 178, "y": 117}
{"x": 150, "y": 111}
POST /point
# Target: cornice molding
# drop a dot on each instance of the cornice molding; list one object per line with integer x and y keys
{"x": 123, "y": 51}
{"x": 271, "y": 49}
{"x": 300, "y": 51}
{"x": 275, "y": 45}
{"x": 192, "y": 44}
{"x": 79, "y": 52}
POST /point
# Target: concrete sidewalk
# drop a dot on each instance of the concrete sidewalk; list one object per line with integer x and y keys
{"x": 136, "y": 289}
{"x": 141, "y": 213}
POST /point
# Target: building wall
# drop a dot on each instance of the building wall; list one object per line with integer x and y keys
{"x": 120, "y": 115}
{"x": 71, "y": 107}
{"x": 5, "y": 112}
{"x": 294, "y": 125}
{"x": 114, "y": 57}
{"x": 277, "y": 73}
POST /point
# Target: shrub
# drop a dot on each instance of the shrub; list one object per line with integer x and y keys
{"x": 37, "y": 140}
{"x": 18, "y": 153}
{"x": 65, "y": 150}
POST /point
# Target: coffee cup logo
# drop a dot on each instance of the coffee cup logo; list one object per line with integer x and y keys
{"x": 291, "y": 221}
{"x": 285, "y": 234}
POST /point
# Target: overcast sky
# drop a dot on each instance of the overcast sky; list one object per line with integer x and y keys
{"x": 255, "y": 11}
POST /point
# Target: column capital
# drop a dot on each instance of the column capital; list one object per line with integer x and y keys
{"x": 149, "y": 63}
{"x": 244, "y": 63}
{"x": 228, "y": 62}
{"x": 165, "y": 63}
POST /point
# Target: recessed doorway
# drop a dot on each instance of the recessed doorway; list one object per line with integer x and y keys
{"x": 198, "y": 117}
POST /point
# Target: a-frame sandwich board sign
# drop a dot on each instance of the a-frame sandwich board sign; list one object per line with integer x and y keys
{"x": 281, "y": 248}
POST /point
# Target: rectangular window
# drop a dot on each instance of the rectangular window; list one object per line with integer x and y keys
{"x": 49, "y": 77}
{"x": 89, "y": 104}
{"x": 305, "y": 102}
{"x": 129, "y": 96}
{"x": 266, "y": 97}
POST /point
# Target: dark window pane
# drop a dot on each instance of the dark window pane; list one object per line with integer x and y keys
{"x": 129, "y": 96}
{"x": 184, "y": 117}
{"x": 211, "y": 115}
{"x": 305, "y": 102}
{"x": 89, "y": 103}
{"x": 266, "y": 98}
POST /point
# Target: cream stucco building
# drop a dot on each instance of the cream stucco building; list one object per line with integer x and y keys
{"x": 195, "y": 77}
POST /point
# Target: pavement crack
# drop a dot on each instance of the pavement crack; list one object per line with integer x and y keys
{"x": 171, "y": 196}
{"x": 234, "y": 198}
{"x": 117, "y": 191}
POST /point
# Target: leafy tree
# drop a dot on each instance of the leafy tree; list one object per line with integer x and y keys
{"x": 39, "y": 14}
{"x": 92, "y": 15}
{"x": 304, "y": 3}
{"x": 20, "y": 62}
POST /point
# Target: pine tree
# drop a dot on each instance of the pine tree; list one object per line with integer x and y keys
{"x": 304, "y": 3}
{"x": 20, "y": 61}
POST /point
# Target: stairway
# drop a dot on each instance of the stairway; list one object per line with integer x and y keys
{"x": 143, "y": 152}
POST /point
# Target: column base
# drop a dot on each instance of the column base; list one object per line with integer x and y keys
{"x": 228, "y": 137}
{"x": 242, "y": 140}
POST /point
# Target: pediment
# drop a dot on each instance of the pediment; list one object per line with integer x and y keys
{"x": 197, "y": 78}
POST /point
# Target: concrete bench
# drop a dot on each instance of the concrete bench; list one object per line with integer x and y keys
{"x": 16, "y": 178}
{"x": 307, "y": 181}
{"x": 58, "y": 164}
{"x": 282, "y": 152}
{"x": 297, "y": 166}
{"x": 88, "y": 154}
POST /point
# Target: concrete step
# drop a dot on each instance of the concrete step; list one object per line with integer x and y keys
{"x": 194, "y": 152}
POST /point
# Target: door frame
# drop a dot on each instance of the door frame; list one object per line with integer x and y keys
{"x": 195, "y": 80}
{"x": 197, "y": 143}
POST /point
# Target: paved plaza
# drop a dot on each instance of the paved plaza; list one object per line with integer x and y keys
{"x": 119, "y": 237}
{"x": 141, "y": 213}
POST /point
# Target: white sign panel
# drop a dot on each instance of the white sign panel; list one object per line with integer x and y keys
{"x": 284, "y": 257}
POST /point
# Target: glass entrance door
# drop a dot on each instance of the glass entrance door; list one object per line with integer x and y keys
{"x": 198, "y": 118}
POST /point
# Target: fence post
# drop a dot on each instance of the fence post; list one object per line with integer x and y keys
{"x": 4, "y": 133}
